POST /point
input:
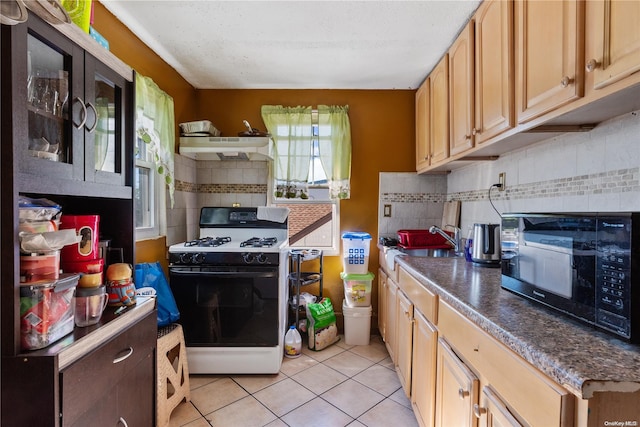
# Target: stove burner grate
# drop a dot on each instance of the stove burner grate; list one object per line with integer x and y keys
{"x": 208, "y": 242}
{"x": 259, "y": 242}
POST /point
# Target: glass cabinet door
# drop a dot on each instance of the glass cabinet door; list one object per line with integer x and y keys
{"x": 47, "y": 103}
{"x": 104, "y": 138}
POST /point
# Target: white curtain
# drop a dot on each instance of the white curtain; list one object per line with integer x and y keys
{"x": 155, "y": 104}
{"x": 291, "y": 130}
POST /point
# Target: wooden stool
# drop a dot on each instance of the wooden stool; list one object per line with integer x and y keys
{"x": 173, "y": 372}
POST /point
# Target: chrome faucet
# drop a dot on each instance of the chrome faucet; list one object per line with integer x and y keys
{"x": 455, "y": 241}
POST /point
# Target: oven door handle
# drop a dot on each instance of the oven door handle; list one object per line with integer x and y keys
{"x": 230, "y": 274}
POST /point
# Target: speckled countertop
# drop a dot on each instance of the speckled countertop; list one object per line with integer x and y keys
{"x": 580, "y": 358}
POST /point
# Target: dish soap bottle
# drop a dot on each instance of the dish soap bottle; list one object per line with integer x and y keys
{"x": 292, "y": 342}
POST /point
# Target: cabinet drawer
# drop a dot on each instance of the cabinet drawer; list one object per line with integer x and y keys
{"x": 423, "y": 300}
{"x": 534, "y": 396}
{"x": 85, "y": 382}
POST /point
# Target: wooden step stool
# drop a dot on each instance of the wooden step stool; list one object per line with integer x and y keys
{"x": 172, "y": 372}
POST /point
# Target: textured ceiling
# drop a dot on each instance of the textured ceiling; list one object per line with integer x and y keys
{"x": 297, "y": 44}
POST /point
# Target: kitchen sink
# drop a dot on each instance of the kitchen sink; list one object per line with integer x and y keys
{"x": 433, "y": 253}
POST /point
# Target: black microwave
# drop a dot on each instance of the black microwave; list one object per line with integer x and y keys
{"x": 585, "y": 265}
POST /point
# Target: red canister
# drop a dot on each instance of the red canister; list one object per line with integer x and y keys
{"x": 86, "y": 227}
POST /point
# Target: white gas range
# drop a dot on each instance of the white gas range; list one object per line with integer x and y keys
{"x": 230, "y": 286}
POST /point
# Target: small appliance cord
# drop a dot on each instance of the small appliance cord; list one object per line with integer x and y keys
{"x": 491, "y": 201}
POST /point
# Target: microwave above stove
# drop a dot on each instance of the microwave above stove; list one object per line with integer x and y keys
{"x": 585, "y": 265}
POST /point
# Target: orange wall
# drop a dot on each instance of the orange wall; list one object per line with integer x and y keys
{"x": 382, "y": 137}
{"x": 382, "y": 132}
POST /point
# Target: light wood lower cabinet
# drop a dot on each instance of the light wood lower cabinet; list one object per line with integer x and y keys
{"x": 423, "y": 370}
{"x": 456, "y": 390}
{"x": 404, "y": 343}
{"x": 455, "y": 374}
{"x": 382, "y": 294}
{"x": 493, "y": 412}
{"x": 535, "y": 398}
{"x": 390, "y": 308}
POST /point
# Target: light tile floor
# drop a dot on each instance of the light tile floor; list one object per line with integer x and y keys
{"x": 341, "y": 385}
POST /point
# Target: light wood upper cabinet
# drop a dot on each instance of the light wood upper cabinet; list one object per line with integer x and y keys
{"x": 440, "y": 111}
{"x": 461, "y": 91}
{"x": 613, "y": 41}
{"x": 423, "y": 374}
{"x": 423, "y": 117}
{"x": 456, "y": 390}
{"x": 494, "y": 69}
{"x": 550, "y": 55}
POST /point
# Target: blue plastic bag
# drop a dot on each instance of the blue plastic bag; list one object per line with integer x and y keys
{"x": 151, "y": 275}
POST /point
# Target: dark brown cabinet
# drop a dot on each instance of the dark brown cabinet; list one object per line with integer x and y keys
{"x": 71, "y": 115}
{"x": 67, "y": 133}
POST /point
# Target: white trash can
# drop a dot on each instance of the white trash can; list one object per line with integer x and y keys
{"x": 357, "y": 324}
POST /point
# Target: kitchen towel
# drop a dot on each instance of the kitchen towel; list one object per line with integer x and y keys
{"x": 274, "y": 214}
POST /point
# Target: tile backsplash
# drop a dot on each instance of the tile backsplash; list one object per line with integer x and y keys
{"x": 575, "y": 172}
{"x": 212, "y": 183}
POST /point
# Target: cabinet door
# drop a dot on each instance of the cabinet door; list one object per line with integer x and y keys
{"x": 382, "y": 302}
{"x": 104, "y": 133}
{"x": 423, "y": 144}
{"x": 46, "y": 76}
{"x": 440, "y": 111}
{"x": 423, "y": 370}
{"x": 456, "y": 390}
{"x": 405, "y": 340}
{"x": 461, "y": 91}
{"x": 493, "y": 412}
{"x": 614, "y": 34}
{"x": 494, "y": 69}
{"x": 391, "y": 331}
{"x": 550, "y": 42}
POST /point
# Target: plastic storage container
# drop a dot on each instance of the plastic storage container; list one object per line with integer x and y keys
{"x": 292, "y": 342}
{"x": 46, "y": 311}
{"x": 40, "y": 268}
{"x": 355, "y": 248}
{"x": 357, "y": 324}
{"x": 357, "y": 289}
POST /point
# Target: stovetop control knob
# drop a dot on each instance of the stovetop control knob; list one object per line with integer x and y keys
{"x": 248, "y": 258}
{"x": 197, "y": 258}
{"x": 185, "y": 258}
{"x": 261, "y": 258}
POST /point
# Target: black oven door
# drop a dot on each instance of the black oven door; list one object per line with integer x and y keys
{"x": 227, "y": 306}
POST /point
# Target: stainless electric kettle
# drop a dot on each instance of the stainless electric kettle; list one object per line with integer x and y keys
{"x": 486, "y": 245}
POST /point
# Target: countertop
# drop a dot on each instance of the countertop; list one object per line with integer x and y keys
{"x": 578, "y": 357}
{"x": 82, "y": 340}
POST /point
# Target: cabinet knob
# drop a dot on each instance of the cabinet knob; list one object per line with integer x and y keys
{"x": 592, "y": 65}
{"x": 475, "y": 131}
{"x": 566, "y": 81}
{"x": 462, "y": 393}
{"x": 478, "y": 410}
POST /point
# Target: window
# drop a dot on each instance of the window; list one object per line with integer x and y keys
{"x": 311, "y": 170}
{"x": 148, "y": 191}
{"x": 154, "y": 151}
{"x": 314, "y": 219}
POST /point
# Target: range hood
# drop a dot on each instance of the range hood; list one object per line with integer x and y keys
{"x": 226, "y": 148}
